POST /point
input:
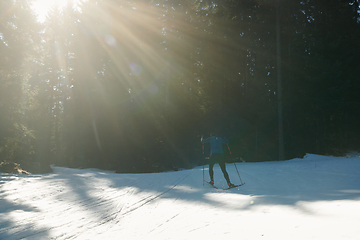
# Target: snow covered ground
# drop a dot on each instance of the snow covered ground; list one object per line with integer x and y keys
{"x": 316, "y": 197}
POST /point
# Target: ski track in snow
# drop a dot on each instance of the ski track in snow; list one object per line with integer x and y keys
{"x": 316, "y": 197}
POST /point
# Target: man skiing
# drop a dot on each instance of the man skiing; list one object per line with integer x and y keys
{"x": 216, "y": 156}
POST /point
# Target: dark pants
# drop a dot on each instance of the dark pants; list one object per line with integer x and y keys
{"x": 217, "y": 158}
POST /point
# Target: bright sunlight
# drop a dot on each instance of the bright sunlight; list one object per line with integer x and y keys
{"x": 42, "y": 7}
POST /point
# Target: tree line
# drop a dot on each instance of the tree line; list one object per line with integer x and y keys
{"x": 131, "y": 85}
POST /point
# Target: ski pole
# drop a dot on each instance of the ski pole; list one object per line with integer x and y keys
{"x": 238, "y": 174}
{"x": 229, "y": 148}
{"x": 235, "y": 165}
{"x": 203, "y": 163}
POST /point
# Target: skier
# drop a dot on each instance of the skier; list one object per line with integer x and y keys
{"x": 216, "y": 156}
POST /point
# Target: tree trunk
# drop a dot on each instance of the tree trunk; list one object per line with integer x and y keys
{"x": 279, "y": 87}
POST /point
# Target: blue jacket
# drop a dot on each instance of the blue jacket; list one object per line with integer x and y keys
{"x": 215, "y": 144}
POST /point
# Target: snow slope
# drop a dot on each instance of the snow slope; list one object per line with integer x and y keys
{"x": 316, "y": 197}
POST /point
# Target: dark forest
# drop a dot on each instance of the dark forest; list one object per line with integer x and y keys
{"x": 131, "y": 86}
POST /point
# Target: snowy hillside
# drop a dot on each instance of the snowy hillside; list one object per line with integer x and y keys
{"x": 316, "y": 197}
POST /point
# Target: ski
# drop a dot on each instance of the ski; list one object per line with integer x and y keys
{"x": 211, "y": 184}
{"x": 223, "y": 188}
{"x": 234, "y": 186}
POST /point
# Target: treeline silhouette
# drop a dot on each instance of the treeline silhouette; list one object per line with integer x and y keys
{"x": 131, "y": 85}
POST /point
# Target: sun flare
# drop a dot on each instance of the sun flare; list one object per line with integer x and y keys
{"x": 42, "y": 7}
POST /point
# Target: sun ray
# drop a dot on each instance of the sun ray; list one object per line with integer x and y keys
{"x": 42, "y": 7}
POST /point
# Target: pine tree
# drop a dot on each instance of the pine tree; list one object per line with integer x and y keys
{"x": 19, "y": 42}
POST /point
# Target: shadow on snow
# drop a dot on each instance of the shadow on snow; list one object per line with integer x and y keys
{"x": 99, "y": 198}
